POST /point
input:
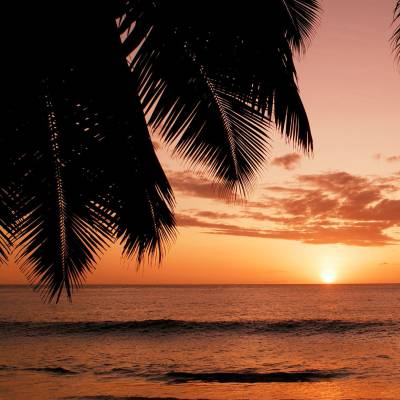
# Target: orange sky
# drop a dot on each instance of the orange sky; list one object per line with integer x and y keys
{"x": 338, "y": 211}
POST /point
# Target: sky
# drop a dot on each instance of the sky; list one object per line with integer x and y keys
{"x": 332, "y": 216}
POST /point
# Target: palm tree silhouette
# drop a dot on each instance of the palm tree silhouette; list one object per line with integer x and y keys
{"x": 81, "y": 171}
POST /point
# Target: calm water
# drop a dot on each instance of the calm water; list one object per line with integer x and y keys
{"x": 202, "y": 342}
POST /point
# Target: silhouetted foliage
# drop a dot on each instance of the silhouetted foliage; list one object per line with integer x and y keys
{"x": 79, "y": 168}
{"x": 396, "y": 34}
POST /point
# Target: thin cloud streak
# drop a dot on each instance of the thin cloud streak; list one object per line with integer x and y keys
{"x": 393, "y": 159}
{"x": 190, "y": 184}
{"x": 389, "y": 159}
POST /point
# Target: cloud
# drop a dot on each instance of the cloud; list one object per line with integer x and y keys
{"x": 355, "y": 235}
{"x": 288, "y": 161}
{"x": 390, "y": 159}
{"x": 189, "y": 221}
{"x": 348, "y": 235}
{"x": 393, "y": 159}
{"x": 334, "y": 181}
{"x": 332, "y": 207}
{"x": 190, "y": 184}
{"x": 215, "y": 215}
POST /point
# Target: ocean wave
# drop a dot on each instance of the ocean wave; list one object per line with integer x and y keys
{"x": 254, "y": 377}
{"x": 169, "y": 326}
{"x": 308, "y": 375}
{"x": 49, "y": 370}
{"x": 52, "y": 370}
{"x": 7, "y": 368}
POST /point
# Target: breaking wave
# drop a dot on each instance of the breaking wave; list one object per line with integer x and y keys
{"x": 52, "y": 370}
{"x": 168, "y": 326}
{"x": 49, "y": 370}
{"x": 254, "y": 377}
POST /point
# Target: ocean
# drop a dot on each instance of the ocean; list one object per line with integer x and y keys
{"x": 283, "y": 342}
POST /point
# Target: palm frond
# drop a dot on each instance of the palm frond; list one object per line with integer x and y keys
{"x": 198, "y": 71}
{"x": 7, "y": 225}
{"x": 82, "y": 169}
{"x": 301, "y": 17}
{"x": 395, "y": 39}
{"x": 57, "y": 237}
{"x": 136, "y": 191}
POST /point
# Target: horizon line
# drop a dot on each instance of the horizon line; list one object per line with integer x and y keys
{"x": 216, "y": 284}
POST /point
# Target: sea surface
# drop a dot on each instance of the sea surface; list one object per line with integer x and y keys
{"x": 285, "y": 342}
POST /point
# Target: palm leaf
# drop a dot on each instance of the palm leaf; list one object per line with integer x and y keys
{"x": 198, "y": 71}
{"x": 83, "y": 172}
{"x": 396, "y": 35}
{"x": 6, "y": 225}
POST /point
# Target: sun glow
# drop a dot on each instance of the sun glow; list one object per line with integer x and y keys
{"x": 328, "y": 267}
{"x": 328, "y": 276}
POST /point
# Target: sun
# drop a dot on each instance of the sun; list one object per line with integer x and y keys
{"x": 328, "y": 276}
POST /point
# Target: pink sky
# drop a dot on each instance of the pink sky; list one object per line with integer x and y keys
{"x": 337, "y": 211}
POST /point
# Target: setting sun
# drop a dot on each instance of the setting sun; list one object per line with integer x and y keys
{"x": 328, "y": 276}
